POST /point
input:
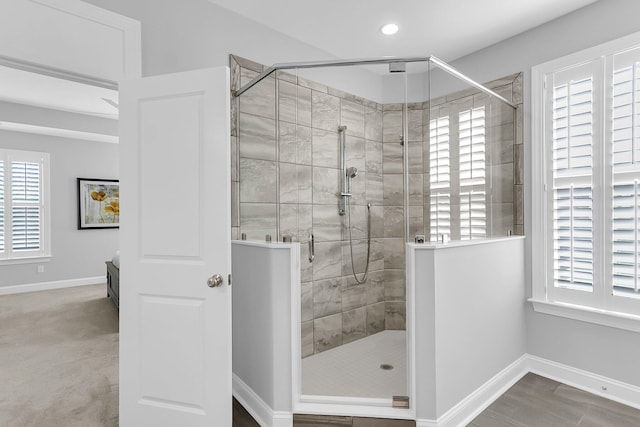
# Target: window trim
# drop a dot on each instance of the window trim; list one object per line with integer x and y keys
{"x": 44, "y": 254}
{"x": 542, "y": 300}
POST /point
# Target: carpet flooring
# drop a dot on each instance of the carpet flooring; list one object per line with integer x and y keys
{"x": 59, "y": 358}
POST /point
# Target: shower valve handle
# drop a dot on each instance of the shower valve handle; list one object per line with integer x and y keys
{"x": 312, "y": 247}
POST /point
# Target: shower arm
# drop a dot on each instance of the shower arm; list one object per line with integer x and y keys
{"x": 372, "y": 61}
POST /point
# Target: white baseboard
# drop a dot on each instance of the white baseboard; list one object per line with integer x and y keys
{"x": 258, "y": 408}
{"x": 59, "y": 284}
{"x": 472, "y": 405}
{"x": 426, "y": 423}
{"x": 608, "y": 388}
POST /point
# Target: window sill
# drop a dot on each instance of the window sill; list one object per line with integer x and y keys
{"x": 26, "y": 260}
{"x": 612, "y": 319}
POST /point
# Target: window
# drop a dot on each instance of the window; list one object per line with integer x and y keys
{"x": 439, "y": 178}
{"x": 473, "y": 197}
{"x": 466, "y": 125}
{"x": 23, "y": 205}
{"x": 586, "y": 174}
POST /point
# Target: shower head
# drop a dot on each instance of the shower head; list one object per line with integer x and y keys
{"x": 352, "y": 172}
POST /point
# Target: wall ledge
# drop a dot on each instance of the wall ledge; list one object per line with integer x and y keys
{"x": 612, "y": 319}
{"x": 45, "y": 286}
{"x": 431, "y": 246}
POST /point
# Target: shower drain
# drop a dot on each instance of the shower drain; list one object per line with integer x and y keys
{"x": 386, "y": 367}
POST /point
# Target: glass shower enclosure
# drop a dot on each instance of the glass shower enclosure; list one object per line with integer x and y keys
{"x": 353, "y": 159}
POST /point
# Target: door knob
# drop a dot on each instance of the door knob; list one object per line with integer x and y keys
{"x": 215, "y": 281}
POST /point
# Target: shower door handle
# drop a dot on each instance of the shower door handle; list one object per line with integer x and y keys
{"x": 312, "y": 247}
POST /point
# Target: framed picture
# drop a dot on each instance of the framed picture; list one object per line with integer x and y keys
{"x": 98, "y": 203}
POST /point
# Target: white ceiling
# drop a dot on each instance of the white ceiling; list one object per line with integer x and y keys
{"x": 44, "y": 91}
{"x": 448, "y": 29}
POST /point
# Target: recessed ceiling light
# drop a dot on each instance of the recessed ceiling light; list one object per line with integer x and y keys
{"x": 389, "y": 29}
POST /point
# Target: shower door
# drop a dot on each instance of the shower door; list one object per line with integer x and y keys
{"x": 332, "y": 157}
{"x": 341, "y": 187}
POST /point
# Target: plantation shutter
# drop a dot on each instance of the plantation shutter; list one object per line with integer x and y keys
{"x": 439, "y": 177}
{"x": 572, "y": 164}
{"x": 473, "y": 201}
{"x": 25, "y": 206}
{"x": 626, "y": 175}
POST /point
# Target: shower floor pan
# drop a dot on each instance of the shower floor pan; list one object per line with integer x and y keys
{"x": 374, "y": 367}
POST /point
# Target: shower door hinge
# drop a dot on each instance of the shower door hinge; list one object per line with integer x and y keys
{"x": 400, "y": 402}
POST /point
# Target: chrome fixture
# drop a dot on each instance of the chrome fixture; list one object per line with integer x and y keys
{"x": 345, "y": 190}
{"x": 420, "y": 238}
{"x": 312, "y": 247}
{"x": 348, "y": 174}
{"x": 215, "y": 281}
{"x": 370, "y": 61}
{"x": 397, "y": 67}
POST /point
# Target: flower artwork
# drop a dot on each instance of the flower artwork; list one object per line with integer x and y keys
{"x": 99, "y": 203}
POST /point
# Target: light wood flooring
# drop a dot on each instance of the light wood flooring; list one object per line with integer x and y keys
{"x": 534, "y": 401}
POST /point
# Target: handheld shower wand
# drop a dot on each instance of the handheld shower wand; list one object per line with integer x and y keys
{"x": 350, "y": 174}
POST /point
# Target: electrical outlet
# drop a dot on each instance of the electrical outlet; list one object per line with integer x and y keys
{"x": 40, "y": 269}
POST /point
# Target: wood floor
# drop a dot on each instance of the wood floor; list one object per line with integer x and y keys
{"x": 534, "y": 401}
{"x": 537, "y": 401}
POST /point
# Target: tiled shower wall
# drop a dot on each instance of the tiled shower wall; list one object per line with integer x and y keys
{"x": 335, "y": 308}
{"x": 301, "y": 192}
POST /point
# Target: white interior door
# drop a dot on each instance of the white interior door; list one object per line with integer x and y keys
{"x": 175, "y": 330}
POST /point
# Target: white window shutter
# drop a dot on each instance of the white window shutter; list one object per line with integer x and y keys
{"x": 25, "y": 206}
{"x": 439, "y": 177}
{"x": 473, "y": 200}
{"x": 572, "y": 209}
{"x": 586, "y": 236}
{"x": 625, "y": 164}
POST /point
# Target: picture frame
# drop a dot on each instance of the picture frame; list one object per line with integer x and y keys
{"x": 98, "y": 203}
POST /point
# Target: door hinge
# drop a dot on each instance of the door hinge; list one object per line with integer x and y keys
{"x": 229, "y": 281}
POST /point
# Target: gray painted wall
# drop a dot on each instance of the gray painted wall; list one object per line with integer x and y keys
{"x": 75, "y": 253}
{"x": 606, "y": 351}
{"x": 190, "y": 34}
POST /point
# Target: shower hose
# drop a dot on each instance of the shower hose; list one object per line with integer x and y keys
{"x": 353, "y": 269}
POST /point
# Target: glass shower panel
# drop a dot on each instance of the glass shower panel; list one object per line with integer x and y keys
{"x": 256, "y": 158}
{"x": 469, "y": 170}
{"x": 349, "y": 145}
{"x": 359, "y": 160}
